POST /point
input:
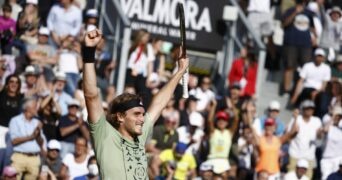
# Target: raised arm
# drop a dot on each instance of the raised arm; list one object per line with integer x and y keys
{"x": 91, "y": 94}
{"x": 294, "y": 129}
{"x": 211, "y": 116}
{"x": 164, "y": 95}
{"x": 236, "y": 121}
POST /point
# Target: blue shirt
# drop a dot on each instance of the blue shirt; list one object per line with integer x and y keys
{"x": 63, "y": 100}
{"x": 20, "y": 127}
{"x": 335, "y": 176}
{"x": 280, "y": 127}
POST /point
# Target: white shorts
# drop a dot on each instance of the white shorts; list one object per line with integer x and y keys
{"x": 219, "y": 165}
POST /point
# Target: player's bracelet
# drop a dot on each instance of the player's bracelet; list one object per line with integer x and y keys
{"x": 88, "y": 54}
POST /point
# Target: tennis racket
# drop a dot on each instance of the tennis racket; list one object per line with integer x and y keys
{"x": 185, "y": 77}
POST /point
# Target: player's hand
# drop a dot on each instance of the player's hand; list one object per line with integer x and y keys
{"x": 93, "y": 38}
{"x": 183, "y": 63}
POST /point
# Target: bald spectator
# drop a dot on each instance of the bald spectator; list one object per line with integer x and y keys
{"x": 28, "y": 141}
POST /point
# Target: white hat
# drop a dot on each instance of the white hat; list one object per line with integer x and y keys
{"x": 196, "y": 119}
{"x": 337, "y": 110}
{"x": 205, "y": 166}
{"x": 274, "y": 105}
{"x": 302, "y": 163}
{"x": 60, "y": 76}
{"x": 35, "y": 2}
{"x": 30, "y": 70}
{"x": 54, "y": 144}
{"x": 74, "y": 102}
{"x": 44, "y": 31}
{"x": 92, "y": 13}
{"x": 319, "y": 52}
{"x": 307, "y": 104}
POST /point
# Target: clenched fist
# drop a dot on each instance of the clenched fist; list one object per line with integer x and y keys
{"x": 93, "y": 38}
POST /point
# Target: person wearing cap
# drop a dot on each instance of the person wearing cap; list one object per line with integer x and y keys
{"x": 314, "y": 77}
{"x": 332, "y": 153}
{"x": 303, "y": 144}
{"x": 61, "y": 97}
{"x": 175, "y": 163}
{"x": 52, "y": 160}
{"x": 269, "y": 146}
{"x": 28, "y": 141}
{"x": 193, "y": 133}
{"x": 273, "y": 112}
{"x": 203, "y": 93}
{"x": 43, "y": 54}
{"x": 332, "y": 31}
{"x": 71, "y": 126}
{"x": 64, "y": 19}
{"x": 299, "y": 173}
{"x": 336, "y": 175}
{"x": 9, "y": 173}
{"x": 128, "y": 124}
{"x": 220, "y": 140}
{"x": 30, "y": 87}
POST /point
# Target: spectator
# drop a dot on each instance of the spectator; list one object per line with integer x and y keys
{"x": 70, "y": 62}
{"x": 332, "y": 154}
{"x": 64, "y": 19}
{"x": 10, "y": 99}
{"x": 93, "y": 170}
{"x": 30, "y": 87}
{"x": 16, "y": 8}
{"x": 9, "y": 173}
{"x": 53, "y": 160}
{"x": 299, "y": 37}
{"x": 313, "y": 79}
{"x": 170, "y": 112}
{"x": 220, "y": 140}
{"x": 75, "y": 164}
{"x": 192, "y": 135}
{"x": 49, "y": 113}
{"x": 244, "y": 71}
{"x": 60, "y": 95}
{"x": 336, "y": 70}
{"x": 332, "y": 32}
{"x": 269, "y": 147}
{"x": 43, "y": 55}
{"x": 164, "y": 137}
{"x": 234, "y": 100}
{"x": 299, "y": 174}
{"x": 206, "y": 171}
{"x": 336, "y": 175}
{"x": 91, "y": 21}
{"x": 190, "y": 106}
{"x": 273, "y": 112}
{"x": 260, "y": 17}
{"x": 182, "y": 165}
{"x": 28, "y": 141}
{"x": 204, "y": 94}
{"x": 7, "y": 29}
{"x": 303, "y": 145}
{"x": 72, "y": 126}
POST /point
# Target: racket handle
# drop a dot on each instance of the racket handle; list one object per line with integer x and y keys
{"x": 185, "y": 80}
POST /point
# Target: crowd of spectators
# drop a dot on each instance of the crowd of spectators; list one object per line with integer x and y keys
{"x": 43, "y": 128}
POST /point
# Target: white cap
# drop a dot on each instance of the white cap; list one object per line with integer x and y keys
{"x": 337, "y": 110}
{"x": 302, "y": 163}
{"x": 74, "y": 102}
{"x": 54, "y": 144}
{"x": 319, "y": 52}
{"x": 30, "y": 70}
{"x": 196, "y": 119}
{"x": 60, "y": 76}
{"x": 274, "y": 105}
{"x": 92, "y": 13}
{"x": 44, "y": 31}
{"x": 35, "y": 2}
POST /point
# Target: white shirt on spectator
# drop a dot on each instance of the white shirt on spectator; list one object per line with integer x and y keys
{"x": 314, "y": 76}
{"x": 185, "y": 137}
{"x": 292, "y": 176}
{"x": 303, "y": 145}
{"x": 65, "y": 21}
{"x": 75, "y": 169}
{"x": 333, "y": 146}
{"x": 259, "y": 6}
{"x": 140, "y": 65}
{"x": 67, "y": 62}
{"x": 204, "y": 97}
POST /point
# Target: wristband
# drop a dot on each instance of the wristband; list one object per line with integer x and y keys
{"x": 88, "y": 54}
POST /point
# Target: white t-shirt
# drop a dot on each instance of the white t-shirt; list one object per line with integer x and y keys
{"x": 303, "y": 145}
{"x": 75, "y": 169}
{"x": 67, "y": 62}
{"x": 259, "y": 6}
{"x": 314, "y": 76}
{"x": 140, "y": 65}
{"x": 333, "y": 147}
{"x": 185, "y": 137}
{"x": 204, "y": 97}
{"x": 292, "y": 176}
